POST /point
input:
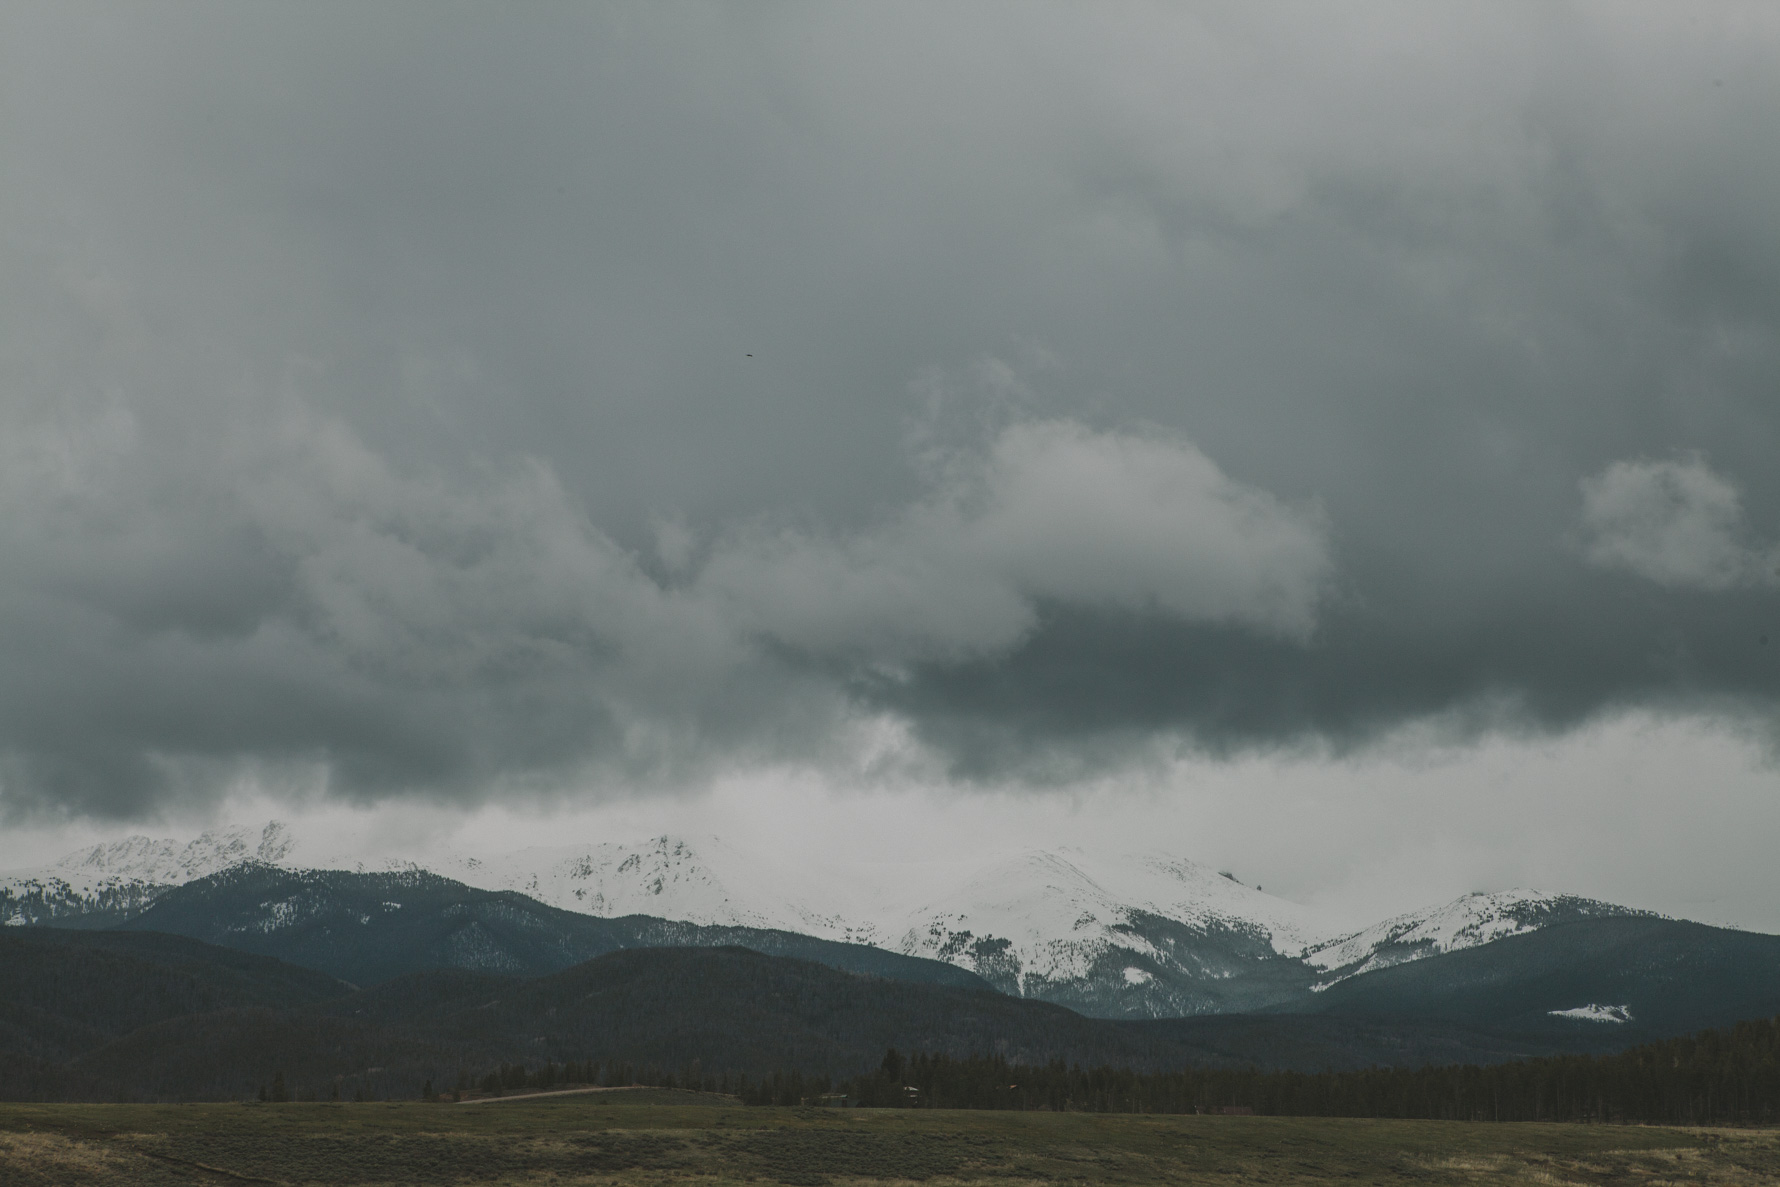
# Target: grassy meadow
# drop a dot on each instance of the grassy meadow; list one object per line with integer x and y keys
{"x": 656, "y": 1136}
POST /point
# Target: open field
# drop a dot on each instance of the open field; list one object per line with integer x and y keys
{"x": 657, "y": 1137}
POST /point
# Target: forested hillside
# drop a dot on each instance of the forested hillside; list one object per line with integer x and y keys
{"x": 223, "y": 1024}
{"x": 67, "y": 994}
{"x": 106, "y": 1015}
{"x": 1654, "y": 978}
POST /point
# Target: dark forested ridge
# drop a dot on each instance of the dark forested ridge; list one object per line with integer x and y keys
{"x": 67, "y": 994}
{"x": 147, "y": 1016}
{"x": 368, "y": 928}
{"x": 86, "y": 986}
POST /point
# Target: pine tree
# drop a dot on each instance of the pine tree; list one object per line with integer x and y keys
{"x": 892, "y": 1065}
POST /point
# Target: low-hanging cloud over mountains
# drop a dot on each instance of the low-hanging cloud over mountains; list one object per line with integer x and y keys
{"x": 402, "y": 401}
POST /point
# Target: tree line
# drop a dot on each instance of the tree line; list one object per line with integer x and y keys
{"x": 1729, "y": 1076}
{"x": 1717, "y": 1077}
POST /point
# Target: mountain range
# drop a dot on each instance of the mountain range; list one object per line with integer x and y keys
{"x": 1141, "y": 936}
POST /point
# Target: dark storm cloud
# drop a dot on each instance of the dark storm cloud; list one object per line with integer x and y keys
{"x": 433, "y": 399}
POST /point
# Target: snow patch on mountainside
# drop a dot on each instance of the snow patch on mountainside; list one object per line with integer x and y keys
{"x": 1595, "y": 1013}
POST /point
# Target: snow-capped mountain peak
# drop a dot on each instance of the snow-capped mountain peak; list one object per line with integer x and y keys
{"x": 1466, "y": 922}
{"x": 117, "y": 879}
{"x": 1146, "y": 922}
{"x": 170, "y": 863}
{"x": 705, "y": 882}
{"x": 663, "y": 876}
{"x": 1193, "y": 893}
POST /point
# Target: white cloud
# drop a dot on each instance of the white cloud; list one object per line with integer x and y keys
{"x": 1675, "y": 523}
{"x": 1049, "y": 511}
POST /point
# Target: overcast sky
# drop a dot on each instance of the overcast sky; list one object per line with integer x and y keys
{"x": 1271, "y": 430}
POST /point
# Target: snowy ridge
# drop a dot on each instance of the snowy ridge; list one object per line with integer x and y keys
{"x": 168, "y": 863}
{"x": 1052, "y": 914}
{"x": 1061, "y": 913}
{"x": 1465, "y": 922}
{"x": 1139, "y": 935}
{"x": 123, "y": 877}
{"x": 664, "y": 876}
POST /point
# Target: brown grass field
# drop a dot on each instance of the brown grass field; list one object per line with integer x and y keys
{"x": 660, "y": 1137}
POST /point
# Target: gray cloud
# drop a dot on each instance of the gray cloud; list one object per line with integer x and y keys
{"x": 1051, "y": 511}
{"x": 1675, "y": 523}
{"x": 411, "y": 401}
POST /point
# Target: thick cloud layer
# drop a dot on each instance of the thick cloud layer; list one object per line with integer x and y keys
{"x": 444, "y": 401}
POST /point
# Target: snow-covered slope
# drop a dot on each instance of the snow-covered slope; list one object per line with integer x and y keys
{"x": 1463, "y": 923}
{"x": 1054, "y": 907}
{"x": 1041, "y": 920}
